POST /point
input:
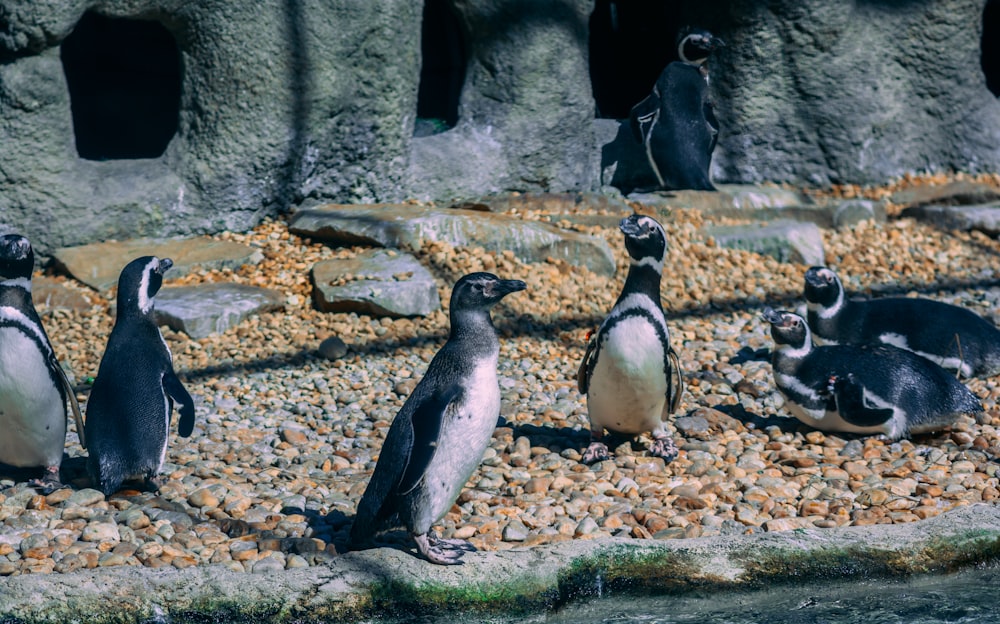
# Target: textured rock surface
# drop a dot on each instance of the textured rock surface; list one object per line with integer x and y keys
{"x": 207, "y": 309}
{"x": 99, "y": 265}
{"x": 821, "y": 92}
{"x": 378, "y": 282}
{"x": 784, "y": 240}
{"x": 407, "y": 227}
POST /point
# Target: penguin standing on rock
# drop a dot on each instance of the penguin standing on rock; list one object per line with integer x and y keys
{"x": 951, "y": 336}
{"x": 34, "y": 390}
{"x": 869, "y": 389}
{"x": 440, "y": 434}
{"x": 128, "y": 413}
{"x": 676, "y": 123}
{"x": 630, "y": 373}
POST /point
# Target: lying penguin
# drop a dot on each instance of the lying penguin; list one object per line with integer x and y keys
{"x": 130, "y": 405}
{"x": 676, "y": 123}
{"x": 34, "y": 390}
{"x": 869, "y": 389}
{"x": 630, "y": 372}
{"x": 440, "y": 434}
{"x": 948, "y": 335}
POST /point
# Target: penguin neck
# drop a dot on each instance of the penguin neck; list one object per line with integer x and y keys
{"x": 20, "y": 283}
{"x": 473, "y": 327}
{"x": 16, "y": 291}
{"x": 643, "y": 277}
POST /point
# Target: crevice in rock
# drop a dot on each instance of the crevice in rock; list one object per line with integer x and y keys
{"x": 442, "y": 69}
{"x": 990, "y": 49}
{"x": 631, "y": 41}
{"x": 124, "y": 79}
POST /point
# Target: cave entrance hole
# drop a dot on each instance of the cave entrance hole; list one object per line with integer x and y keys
{"x": 442, "y": 69}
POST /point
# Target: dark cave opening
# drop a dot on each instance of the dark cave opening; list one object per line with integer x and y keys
{"x": 990, "y": 46}
{"x": 442, "y": 69}
{"x": 631, "y": 41}
{"x": 124, "y": 79}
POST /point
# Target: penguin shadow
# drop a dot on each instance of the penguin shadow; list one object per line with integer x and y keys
{"x": 555, "y": 439}
{"x": 72, "y": 473}
{"x": 631, "y": 171}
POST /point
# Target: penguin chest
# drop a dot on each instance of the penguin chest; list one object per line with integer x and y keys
{"x": 32, "y": 412}
{"x": 628, "y": 385}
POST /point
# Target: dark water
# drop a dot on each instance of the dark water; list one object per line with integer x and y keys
{"x": 962, "y": 598}
{"x": 969, "y": 597}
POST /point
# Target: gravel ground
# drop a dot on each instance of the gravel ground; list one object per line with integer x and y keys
{"x": 286, "y": 439}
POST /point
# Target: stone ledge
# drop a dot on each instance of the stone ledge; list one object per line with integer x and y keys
{"x": 390, "y": 583}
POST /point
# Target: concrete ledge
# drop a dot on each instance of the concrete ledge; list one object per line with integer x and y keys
{"x": 388, "y": 583}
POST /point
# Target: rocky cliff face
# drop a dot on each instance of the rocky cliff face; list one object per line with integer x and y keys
{"x": 282, "y": 103}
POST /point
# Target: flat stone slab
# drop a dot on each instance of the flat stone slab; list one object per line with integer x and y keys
{"x": 552, "y": 203}
{"x": 784, "y": 240}
{"x": 207, "y": 309}
{"x": 378, "y": 282}
{"x": 508, "y": 584}
{"x": 51, "y": 294}
{"x": 407, "y": 227}
{"x": 99, "y": 265}
{"x": 959, "y": 193}
{"x": 983, "y": 217}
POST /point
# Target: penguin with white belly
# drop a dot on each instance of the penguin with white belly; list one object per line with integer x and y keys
{"x": 951, "y": 336}
{"x": 34, "y": 390}
{"x": 130, "y": 405}
{"x": 630, "y": 372}
{"x": 439, "y": 436}
{"x": 867, "y": 389}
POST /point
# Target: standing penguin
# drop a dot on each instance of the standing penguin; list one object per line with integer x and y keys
{"x": 440, "y": 434}
{"x": 862, "y": 389}
{"x": 676, "y": 123}
{"x": 34, "y": 390}
{"x": 630, "y": 373}
{"x": 951, "y": 336}
{"x": 128, "y": 413}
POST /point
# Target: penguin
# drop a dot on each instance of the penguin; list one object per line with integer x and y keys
{"x": 440, "y": 434}
{"x": 676, "y": 123}
{"x": 630, "y": 372}
{"x": 34, "y": 390}
{"x": 951, "y": 336}
{"x": 866, "y": 389}
{"x": 130, "y": 404}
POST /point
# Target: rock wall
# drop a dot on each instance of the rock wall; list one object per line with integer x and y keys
{"x": 298, "y": 102}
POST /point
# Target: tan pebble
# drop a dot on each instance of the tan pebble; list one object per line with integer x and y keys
{"x": 990, "y": 493}
{"x": 203, "y": 497}
{"x": 929, "y": 489}
{"x": 814, "y": 508}
{"x": 294, "y": 436}
{"x": 538, "y": 485}
{"x": 5, "y": 549}
{"x": 899, "y": 504}
{"x": 926, "y": 511}
{"x": 872, "y": 497}
{"x": 961, "y": 438}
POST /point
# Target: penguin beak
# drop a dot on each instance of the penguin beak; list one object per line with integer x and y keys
{"x": 772, "y": 316}
{"x": 164, "y": 266}
{"x": 502, "y": 288}
{"x": 715, "y": 43}
{"x": 630, "y": 226}
{"x": 813, "y": 277}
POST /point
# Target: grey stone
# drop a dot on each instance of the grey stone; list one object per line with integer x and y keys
{"x": 850, "y": 212}
{"x": 814, "y": 92}
{"x": 98, "y": 265}
{"x": 332, "y": 348}
{"x": 784, "y": 240}
{"x": 960, "y": 192}
{"x": 207, "y": 309}
{"x": 985, "y": 218}
{"x": 379, "y": 282}
{"x": 408, "y": 227}
{"x": 51, "y": 294}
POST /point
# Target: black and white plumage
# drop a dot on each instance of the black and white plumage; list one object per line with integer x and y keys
{"x": 34, "y": 390}
{"x": 676, "y": 123}
{"x": 630, "y": 372}
{"x": 868, "y": 389}
{"x": 130, "y": 404}
{"x": 951, "y": 336}
{"x": 440, "y": 434}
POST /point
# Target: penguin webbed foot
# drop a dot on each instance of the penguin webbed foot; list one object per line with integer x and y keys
{"x": 596, "y": 452}
{"x": 49, "y": 482}
{"x": 664, "y": 447}
{"x": 152, "y": 483}
{"x": 442, "y": 551}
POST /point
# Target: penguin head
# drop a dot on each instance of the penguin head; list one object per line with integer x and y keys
{"x": 17, "y": 260}
{"x": 139, "y": 282}
{"x": 480, "y": 291}
{"x": 823, "y": 287}
{"x": 789, "y": 330}
{"x": 645, "y": 240}
{"x": 695, "y": 45}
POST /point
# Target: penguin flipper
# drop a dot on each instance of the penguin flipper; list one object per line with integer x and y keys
{"x": 74, "y": 405}
{"x": 675, "y": 382}
{"x": 185, "y": 404}
{"x": 851, "y": 405}
{"x": 425, "y": 427}
{"x": 643, "y": 116}
{"x": 587, "y": 365}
